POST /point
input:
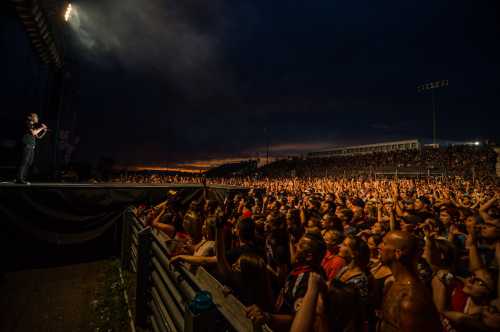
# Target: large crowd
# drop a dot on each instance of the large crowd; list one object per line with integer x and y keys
{"x": 348, "y": 254}
{"x": 463, "y": 160}
{"x": 469, "y": 162}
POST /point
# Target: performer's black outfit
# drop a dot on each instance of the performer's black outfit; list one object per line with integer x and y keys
{"x": 29, "y": 144}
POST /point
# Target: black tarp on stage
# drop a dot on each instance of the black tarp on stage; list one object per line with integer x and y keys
{"x": 47, "y": 224}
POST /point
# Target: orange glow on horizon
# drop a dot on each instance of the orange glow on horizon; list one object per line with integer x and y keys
{"x": 200, "y": 166}
{"x": 165, "y": 169}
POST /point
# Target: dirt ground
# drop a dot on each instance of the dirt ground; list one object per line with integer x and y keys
{"x": 82, "y": 297}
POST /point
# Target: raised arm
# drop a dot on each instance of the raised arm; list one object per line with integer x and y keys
{"x": 379, "y": 213}
{"x": 222, "y": 264}
{"x": 392, "y": 220}
{"x": 195, "y": 260}
{"x": 468, "y": 322}
{"x": 439, "y": 294}
{"x": 475, "y": 262}
{"x": 166, "y": 228}
{"x": 306, "y": 316}
{"x": 291, "y": 247}
{"x": 428, "y": 247}
{"x": 41, "y": 133}
{"x": 36, "y": 132}
{"x": 395, "y": 198}
{"x": 477, "y": 203}
{"x": 274, "y": 321}
{"x": 483, "y": 210}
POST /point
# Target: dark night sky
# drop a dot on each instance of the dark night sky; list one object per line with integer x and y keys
{"x": 184, "y": 80}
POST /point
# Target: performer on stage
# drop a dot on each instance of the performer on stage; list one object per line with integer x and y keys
{"x": 33, "y": 131}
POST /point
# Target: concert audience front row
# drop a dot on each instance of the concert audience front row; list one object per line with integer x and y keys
{"x": 349, "y": 254}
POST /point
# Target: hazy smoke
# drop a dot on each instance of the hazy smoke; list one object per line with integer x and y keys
{"x": 176, "y": 40}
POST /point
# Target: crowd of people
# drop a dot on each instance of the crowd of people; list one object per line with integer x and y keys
{"x": 348, "y": 254}
{"x": 463, "y": 160}
{"x": 469, "y": 162}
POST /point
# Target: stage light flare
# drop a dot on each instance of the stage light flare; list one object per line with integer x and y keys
{"x": 67, "y": 13}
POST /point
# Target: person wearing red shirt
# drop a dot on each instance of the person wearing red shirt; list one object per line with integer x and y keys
{"x": 333, "y": 260}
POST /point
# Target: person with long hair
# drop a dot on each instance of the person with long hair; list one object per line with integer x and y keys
{"x": 347, "y": 299}
{"x": 307, "y": 259}
{"x": 277, "y": 248}
{"x": 243, "y": 268}
{"x": 252, "y": 281}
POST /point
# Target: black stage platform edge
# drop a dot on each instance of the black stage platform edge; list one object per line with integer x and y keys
{"x": 46, "y": 223}
{"x": 113, "y": 185}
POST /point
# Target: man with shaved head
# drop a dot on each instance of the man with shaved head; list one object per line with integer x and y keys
{"x": 407, "y": 304}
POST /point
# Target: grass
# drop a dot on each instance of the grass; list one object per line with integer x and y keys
{"x": 109, "y": 309}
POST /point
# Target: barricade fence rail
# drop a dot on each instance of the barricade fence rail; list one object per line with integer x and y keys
{"x": 409, "y": 172}
{"x": 164, "y": 291}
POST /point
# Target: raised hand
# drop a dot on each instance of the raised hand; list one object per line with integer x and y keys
{"x": 256, "y": 314}
{"x": 176, "y": 259}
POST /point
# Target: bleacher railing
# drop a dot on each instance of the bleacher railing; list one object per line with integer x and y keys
{"x": 409, "y": 172}
{"x": 164, "y": 291}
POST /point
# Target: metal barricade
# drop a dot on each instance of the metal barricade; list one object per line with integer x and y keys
{"x": 164, "y": 291}
{"x": 130, "y": 240}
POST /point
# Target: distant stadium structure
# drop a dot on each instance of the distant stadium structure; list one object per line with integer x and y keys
{"x": 413, "y": 144}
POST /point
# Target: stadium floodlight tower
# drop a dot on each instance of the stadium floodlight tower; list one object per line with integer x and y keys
{"x": 433, "y": 86}
{"x": 69, "y": 12}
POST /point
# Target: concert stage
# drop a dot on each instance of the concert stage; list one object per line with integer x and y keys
{"x": 68, "y": 215}
{"x": 102, "y": 185}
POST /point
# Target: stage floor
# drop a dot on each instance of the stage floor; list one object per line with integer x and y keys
{"x": 110, "y": 185}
